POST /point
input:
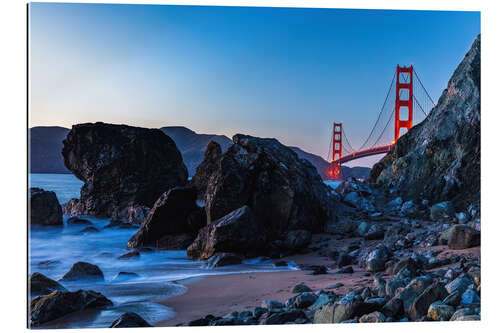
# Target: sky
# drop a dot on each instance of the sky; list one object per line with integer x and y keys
{"x": 286, "y": 73}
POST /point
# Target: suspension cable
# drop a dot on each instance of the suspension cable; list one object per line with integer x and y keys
{"x": 347, "y": 140}
{"x": 380, "y": 113}
{"x": 429, "y": 96}
{"x": 420, "y": 106}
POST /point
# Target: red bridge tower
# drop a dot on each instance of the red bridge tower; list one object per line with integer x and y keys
{"x": 405, "y": 103}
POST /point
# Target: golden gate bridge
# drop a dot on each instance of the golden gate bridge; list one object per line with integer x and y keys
{"x": 401, "y": 99}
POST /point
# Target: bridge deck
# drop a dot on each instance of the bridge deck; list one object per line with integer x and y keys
{"x": 364, "y": 153}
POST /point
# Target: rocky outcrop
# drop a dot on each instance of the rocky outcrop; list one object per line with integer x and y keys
{"x": 43, "y": 309}
{"x": 45, "y": 209}
{"x": 39, "y": 284}
{"x": 439, "y": 159}
{"x": 283, "y": 192}
{"x": 174, "y": 213}
{"x": 123, "y": 167}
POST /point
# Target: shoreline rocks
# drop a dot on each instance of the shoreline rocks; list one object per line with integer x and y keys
{"x": 45, "y": 209}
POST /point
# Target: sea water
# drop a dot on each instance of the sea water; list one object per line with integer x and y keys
{"x": 161, "y": 274}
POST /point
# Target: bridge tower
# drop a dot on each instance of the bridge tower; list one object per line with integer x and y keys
{"x": 335, "y": 169}
{"x": 405, "y": 88}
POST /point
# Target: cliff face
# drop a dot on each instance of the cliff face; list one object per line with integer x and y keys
{"x": 439, "y": 159}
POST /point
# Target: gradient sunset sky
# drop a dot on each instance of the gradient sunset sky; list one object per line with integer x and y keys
{"x": 286, "y": 73}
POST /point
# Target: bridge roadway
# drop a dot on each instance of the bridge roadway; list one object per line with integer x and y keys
{"x": 364, "y": 153}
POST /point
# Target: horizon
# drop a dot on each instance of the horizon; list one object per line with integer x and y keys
{"x": 289, "y": 72}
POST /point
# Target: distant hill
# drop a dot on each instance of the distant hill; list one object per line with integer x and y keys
{"x": 46, "y": 146}
{"x": 322, "y": 165}
{"x": 45, "y": 149}
{"x": 192, "y": 145}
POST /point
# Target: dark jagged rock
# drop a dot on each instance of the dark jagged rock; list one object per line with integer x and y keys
{"x": 41, "y": 285}
{"x": 420, "y": 306}
{"x": 122, "y": 167}
{"x": 129, "y": 319}
{"x": 130, "y": 255}
{"x": 45, "y": 209}
{"x": 439, "y": 158}
{"x": 223, "y": 259}
{"x": 83, "y": 271}
{"x": 43, "y": 309}
{"x": 168, "y": 217}
{"x": 236, "y": 232}
{"x": 284, "y": 192}
{"x": 125, "y": 276}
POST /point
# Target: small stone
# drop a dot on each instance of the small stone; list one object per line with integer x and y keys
{"x": 300, "y": 288}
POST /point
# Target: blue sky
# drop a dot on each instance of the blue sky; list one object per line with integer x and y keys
{"x": 286, "y": 73}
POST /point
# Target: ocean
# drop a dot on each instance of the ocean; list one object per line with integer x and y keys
{"x": 161, "y": 274}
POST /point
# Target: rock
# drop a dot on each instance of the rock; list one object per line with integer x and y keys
{"x": 353, "y": 198}
{"x": 465, "y": 314}
{"x": 321, "y": 301}
{"x": 319, "y": 269}
{"x": 470, "y": 297}
{"x": 453, "y": 299}
{"x": 280, "y": 318}
{"x": 122, "y": 167}
{"x": 416, "y": 287}
{"x": 375, "y": 262}
{"x": 443, "y": 211}
{"x": 441, "y": 156}
{"x": 374, "y": 317}
{"x": 283, "y": 192}
{"x": 419, "y": 307}
{"x": 174, "y": 242}
{"x": 168, "y": 217}
{"x": 300, "y": 288}
{"x": 363, "y": 228}
{"x": 344, "y": 260}
{"x": 462, "y": 218}
{"x": 336, "y": 285}
{"x": 130, "y": 255}
{"x": 125, "y": 276}
{"x": 345, "y": 309}
{"x": 119, "y": 223}
{"x": 43, "y": 309}
{"x": 136, "y": 214}
{"x": 297, "y": 239}
{"x": 374, "y": 232}
{"x": 408, "y": 209}
{"x": 304, "y": 300}
{"x": 394, "y": 308}
{"x": 89, "y": 230}
{"x": 259, "y": 311}
{"x": 237, "y": 232}
{"x": 346, "y": 270}
{"x": 459, "y": 285}
{"x": 75, "y": 220}
{"x": 280, "y": 263}
{"x": 39, "y": 284}
{"x": 83, "y": 271}
{"x": 463, "y": 237}
{"x": 271, "y": 305}
{"x": 439, "y": 311}
{"x": 44, "y": 208}
{"x": 129, "y": 319}
{"x": 223, "y": 259}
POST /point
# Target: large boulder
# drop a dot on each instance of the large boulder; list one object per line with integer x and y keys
{"x": 283, "y": 191}
{"x": 39, "y": 284}
{"x": 43, "y": 309}
{"x": 169, "y": 216}
{"x": 440, "y": 157}
{"x": 45, "y": 209}
{"x": 122, "y": 167}
{"x": 237, "y": 232}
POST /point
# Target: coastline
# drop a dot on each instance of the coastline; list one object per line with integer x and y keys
{"x": 222, "y": 294}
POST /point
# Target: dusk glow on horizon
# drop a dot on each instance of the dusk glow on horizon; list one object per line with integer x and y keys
{"x": 286, "y": 73}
